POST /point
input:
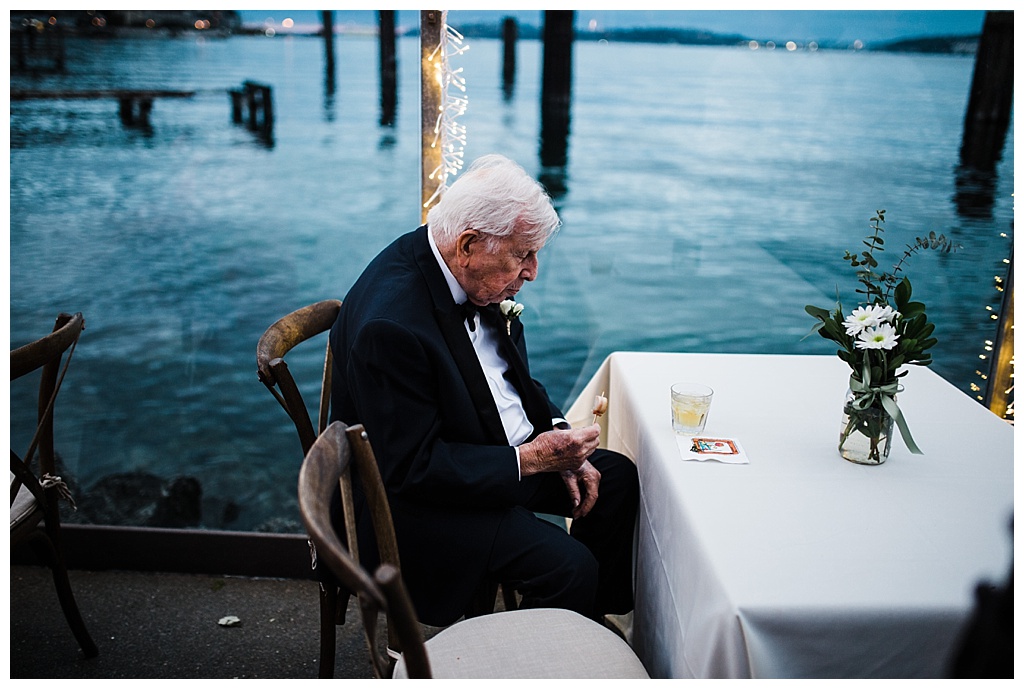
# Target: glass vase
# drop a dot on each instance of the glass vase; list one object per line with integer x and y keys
{"x": 865, "y": 435}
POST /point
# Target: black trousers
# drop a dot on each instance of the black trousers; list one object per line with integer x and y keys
{"x": 588, "y": 570}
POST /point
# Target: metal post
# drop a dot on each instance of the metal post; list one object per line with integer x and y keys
{"x": 430, "y": 104}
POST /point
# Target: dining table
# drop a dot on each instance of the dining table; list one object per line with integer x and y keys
{"x": 796, "y": 563}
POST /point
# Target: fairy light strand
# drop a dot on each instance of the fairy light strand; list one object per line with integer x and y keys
{"x": 989, "y": 353}
{"x": 449, "y": 134}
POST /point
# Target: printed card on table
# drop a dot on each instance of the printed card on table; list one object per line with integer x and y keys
{"x": 702, "y": 448}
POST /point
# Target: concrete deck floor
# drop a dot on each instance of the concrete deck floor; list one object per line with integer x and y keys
{"x": 155, "y": 625}
{"x": 159, "y": 625}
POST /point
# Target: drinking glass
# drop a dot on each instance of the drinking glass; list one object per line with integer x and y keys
{"x": 690, "y": 405}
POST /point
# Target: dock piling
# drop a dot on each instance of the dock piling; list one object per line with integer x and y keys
{"x": 388, "y": 68}
{"x": 991, "y": 102}
{"x": 556, "y": 88}
{"x": 328, "y": 30}
{"x": 134, "y": 110}
{"x": 256, "y": 101}
{"x": 509, "y": 34}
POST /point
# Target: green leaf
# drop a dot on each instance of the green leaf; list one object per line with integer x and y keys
{"x": 834, "y": 330}
{"x": 814, "y": 328}
{"x": 903, "y": 292}
{"x": 817, "y": 312}
{"x": 912, "y": 309}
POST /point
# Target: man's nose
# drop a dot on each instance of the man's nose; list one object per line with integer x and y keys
{"x": 529, "y": 271}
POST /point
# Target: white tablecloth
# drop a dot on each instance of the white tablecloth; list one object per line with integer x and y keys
{"x": 801, "y": 564}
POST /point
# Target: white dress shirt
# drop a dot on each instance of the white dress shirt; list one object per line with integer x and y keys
{"x": 513, "y": 416}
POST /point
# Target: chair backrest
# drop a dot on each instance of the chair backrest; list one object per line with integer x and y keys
{"x": 279, "y": 339}
{"x": 46, "y": 353}
{"x": 326, "y": 468}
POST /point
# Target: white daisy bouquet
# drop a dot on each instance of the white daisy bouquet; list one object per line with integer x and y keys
{"x": 887, "y": 331}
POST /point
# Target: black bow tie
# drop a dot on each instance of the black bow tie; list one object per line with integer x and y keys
{"x": 468, "y": 310}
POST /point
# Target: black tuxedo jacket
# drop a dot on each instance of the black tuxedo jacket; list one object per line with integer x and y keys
{"x": 405, "y": 368}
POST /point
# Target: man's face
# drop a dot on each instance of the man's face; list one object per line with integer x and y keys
{"x": 491, "y": 274}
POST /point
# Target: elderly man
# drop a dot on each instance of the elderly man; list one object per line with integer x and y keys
{"x": 466, "y": 440}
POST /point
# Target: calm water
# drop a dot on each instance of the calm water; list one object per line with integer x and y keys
{"x": 709, "y": 196}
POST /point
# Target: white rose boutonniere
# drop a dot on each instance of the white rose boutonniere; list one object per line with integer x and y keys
{"x": 510, "y": 310}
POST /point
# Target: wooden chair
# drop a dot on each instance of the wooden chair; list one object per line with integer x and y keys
{"x": 535, "y": 643}
{"x": 278, "y": 340}
{"x": 35, "y": 494}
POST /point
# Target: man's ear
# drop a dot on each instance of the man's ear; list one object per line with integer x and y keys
{"x": 467, "y": 244}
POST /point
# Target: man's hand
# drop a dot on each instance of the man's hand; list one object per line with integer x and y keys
{"x": 585, "y": 481}
{"x": 559, "y": 450}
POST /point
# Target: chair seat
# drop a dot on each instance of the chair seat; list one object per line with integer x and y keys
{"x": 543, "y": 643}
{"x": 23, "y": 507}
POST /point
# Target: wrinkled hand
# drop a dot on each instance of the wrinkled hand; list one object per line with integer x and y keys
{"x": 582, "y": 483}
{"x": 559, "y": 450}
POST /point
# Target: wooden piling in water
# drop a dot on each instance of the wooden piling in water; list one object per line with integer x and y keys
{"x": 134, "y": 110}
{"x": 388, "y": 68}
{"x": 431, "y": 27}
{"x": 237, "y": 96}
{"x": 328, "y": 29}
{"x": 509, "y": 35}
{"x": 256, "y": 101}
{"x": 556, "y": 87}
{"x": 37, "y": 48}
{"x": 991, "y": 102}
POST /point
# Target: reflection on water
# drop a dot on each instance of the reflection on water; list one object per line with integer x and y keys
{"x": 709, "y": 196}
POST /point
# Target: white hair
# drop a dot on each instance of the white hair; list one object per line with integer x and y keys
{"x": 499, "y": 199}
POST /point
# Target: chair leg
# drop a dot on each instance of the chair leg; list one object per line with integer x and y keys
{"x": 328, "y": 631}
{"x": 508, "y": 595}
{"x": 483, "y": 600}
{"x": 65, "y": 595}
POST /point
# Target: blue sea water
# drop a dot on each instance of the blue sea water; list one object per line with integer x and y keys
{"x": 709, "y": 195}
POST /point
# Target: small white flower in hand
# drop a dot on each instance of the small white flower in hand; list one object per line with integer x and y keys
{"x": 600, "y": 407}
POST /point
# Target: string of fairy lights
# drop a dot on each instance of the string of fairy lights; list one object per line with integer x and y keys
{"x": 449, "y": 134}
{"x": 998, "y": 358}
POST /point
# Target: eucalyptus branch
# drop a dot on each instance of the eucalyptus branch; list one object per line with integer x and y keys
{"x": 932, "y": 241}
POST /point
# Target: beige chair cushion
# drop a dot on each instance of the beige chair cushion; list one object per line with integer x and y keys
{"x": 23, "y": 506}
{"x": 542, "y": 643}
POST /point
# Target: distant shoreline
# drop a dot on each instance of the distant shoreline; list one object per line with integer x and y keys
{"x": 174, "y": 24}
{"x": 937, "y": 45}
